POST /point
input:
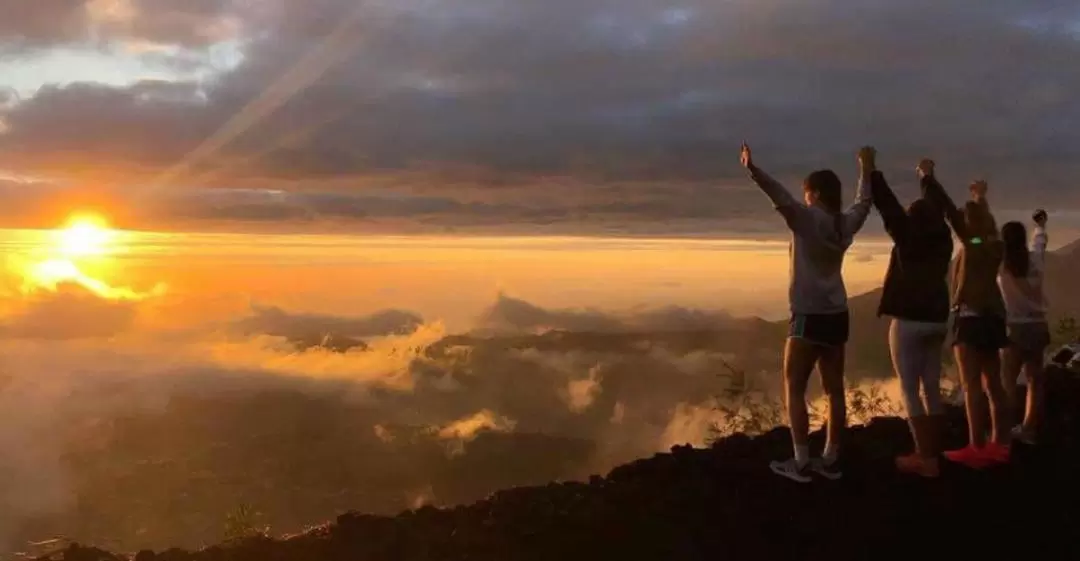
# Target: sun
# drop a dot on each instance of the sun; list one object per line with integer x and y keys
{"x": 85, "y": 235}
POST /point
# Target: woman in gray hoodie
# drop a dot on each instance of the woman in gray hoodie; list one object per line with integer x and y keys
{"x": 821, "y": 233}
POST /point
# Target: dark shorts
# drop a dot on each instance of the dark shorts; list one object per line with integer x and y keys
{"x": 1030, "y": 338}
{"x": 984, "y": 333}
{"x": 831, "y": 330}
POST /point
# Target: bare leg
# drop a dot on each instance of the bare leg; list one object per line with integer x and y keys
{"x": 799, "y": 358}
{"x": 974, "y": 400}
{"x": 1010, "y": 370}
{"x": 999, "y": 404}
{"x": 1036, "y": 395}
{"x": 831, "y": 367}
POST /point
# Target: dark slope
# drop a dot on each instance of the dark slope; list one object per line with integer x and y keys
{"x": 722, "y": 503}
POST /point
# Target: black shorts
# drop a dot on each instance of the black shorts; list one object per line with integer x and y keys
{"x": 831, "y": 330}
{"x": 1029, "y": 338}
{"x": 984, "y": 333}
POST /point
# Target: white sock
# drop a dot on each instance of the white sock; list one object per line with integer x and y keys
{"x": 802, "y": 455}
{"x": 831, "y": 453}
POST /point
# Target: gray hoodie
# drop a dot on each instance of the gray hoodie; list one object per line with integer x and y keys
{"x": 818, "y": 243}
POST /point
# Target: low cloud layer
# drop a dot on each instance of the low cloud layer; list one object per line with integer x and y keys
{"x": 489, "y": 111}
{"x": 96, "y": 388}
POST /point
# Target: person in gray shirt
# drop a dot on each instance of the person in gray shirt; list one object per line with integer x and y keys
{"x": 821, "y": 233}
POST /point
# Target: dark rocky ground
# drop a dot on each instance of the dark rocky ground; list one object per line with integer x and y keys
{"x": 722, "y": 503}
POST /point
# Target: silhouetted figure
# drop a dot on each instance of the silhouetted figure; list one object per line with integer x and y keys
{"x": 822, "y": 231}
{"x": 978, "y": 331}
{"x": 1021, "y": 282}
{"x": 916, "y": 297}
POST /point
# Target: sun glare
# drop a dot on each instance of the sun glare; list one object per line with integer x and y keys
{"x": 85, "y": 236}
{"x": 86, "y": 239}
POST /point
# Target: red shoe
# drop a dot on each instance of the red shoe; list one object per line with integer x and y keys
{"x": 997, "y": 453}
{"x": 969, "y": 456}
{"x": 915, "y": 464}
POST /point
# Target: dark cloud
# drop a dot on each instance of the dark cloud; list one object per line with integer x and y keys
{"x": 513, "y": 315}
{"x": 71, "y": 312}
{"x": 630, "y": 106}
{"x": 42, "y": 22}
{"x": 271, "y": 320}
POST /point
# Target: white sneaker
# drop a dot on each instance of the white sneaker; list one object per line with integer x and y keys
{"x": 1018, "y": 433}
{"x": 791, "y": 470}
{"x": 828, "y": 470}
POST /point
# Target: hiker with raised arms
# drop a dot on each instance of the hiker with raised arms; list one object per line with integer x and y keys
{"x": 978, "y": 332}
{"x": 821, "y": 233}
{"x": 916, "y": 297}
{"x": 1021, "y": 282}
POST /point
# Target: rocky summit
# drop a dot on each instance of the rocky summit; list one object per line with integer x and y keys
{"x": 723, "y": 503}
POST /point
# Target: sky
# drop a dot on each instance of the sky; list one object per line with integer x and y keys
{"x": 505, "y": 116}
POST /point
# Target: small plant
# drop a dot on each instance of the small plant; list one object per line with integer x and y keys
{"x": 865, "y": 403}
{"x": 1067, "y": 331}
{"x": 745, "y": 408}
{"x": 241, "y": 524}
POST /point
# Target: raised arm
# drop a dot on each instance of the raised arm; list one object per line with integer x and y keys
{"x": 892, "y": 213}
{"x": 855, "y": 216}
{"x": 794, "y": 213}
{"x": 1039, "y": 240}
{"x": 936, "y": 193}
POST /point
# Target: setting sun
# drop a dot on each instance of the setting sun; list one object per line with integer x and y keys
{"x": 85, "y": 235}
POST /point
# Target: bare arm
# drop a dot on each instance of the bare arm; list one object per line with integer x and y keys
{"x": 1039, "y": 241}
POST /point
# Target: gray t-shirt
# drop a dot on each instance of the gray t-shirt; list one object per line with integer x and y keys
{"x": 819, "y": 240}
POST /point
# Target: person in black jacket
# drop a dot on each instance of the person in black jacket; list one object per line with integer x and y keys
{"x": 916, "y": 297}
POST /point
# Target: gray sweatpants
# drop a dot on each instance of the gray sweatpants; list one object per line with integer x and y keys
{"x": 916, "y": 354}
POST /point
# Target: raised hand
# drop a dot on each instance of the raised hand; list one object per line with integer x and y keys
{"x": 925, "y": 168}
{"x": 746, "y": 158}
{"x": 1040, "y": 217}
{"x": 868, "y": 158}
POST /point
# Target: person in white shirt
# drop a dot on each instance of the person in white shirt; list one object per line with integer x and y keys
{"x": 1021, "y": 282}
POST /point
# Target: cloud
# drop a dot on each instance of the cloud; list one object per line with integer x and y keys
{"x": 605, "y": 101}
{"x": 467, "y": 428}
{"x": 71, "y": 312}
{"x": 581, "y": 393}
{"x": 417, "y": 408}
{"x": 509, "y": 314}
{"x": 272, "y": 320}
{"x": 64, "y": 23}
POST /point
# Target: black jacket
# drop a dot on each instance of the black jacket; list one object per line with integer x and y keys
{"x": 916, "y": 286}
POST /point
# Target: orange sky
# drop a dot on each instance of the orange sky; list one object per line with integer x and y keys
{"x": 205, "y": 276}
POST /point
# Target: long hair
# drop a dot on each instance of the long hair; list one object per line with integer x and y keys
{"x": 827, "y": 185}
{"x": 1017, "y": 259}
